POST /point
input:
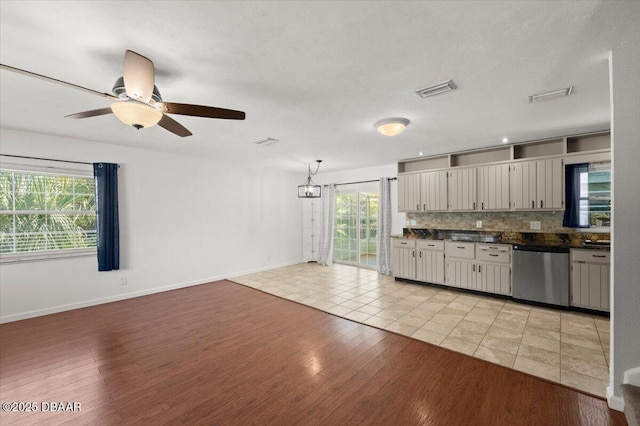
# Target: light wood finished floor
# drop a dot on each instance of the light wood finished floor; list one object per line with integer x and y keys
{"x": 561, "y": 346}
{"x": 226, "y": 354}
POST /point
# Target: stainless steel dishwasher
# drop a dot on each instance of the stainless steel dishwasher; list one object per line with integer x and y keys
{"x": 541, "y": 274}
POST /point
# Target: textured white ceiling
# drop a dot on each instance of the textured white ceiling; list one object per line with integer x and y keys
{"x": 317, "y": 75}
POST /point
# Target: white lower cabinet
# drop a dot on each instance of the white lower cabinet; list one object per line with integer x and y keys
{"x": 404, "y": 258}
{"x": 487, "y": 268}
{"x": 590, "y": 283}
{"x": 430, "y": 262}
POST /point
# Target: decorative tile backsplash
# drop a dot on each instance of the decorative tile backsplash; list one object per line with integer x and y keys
{"x": 550, "y": 222}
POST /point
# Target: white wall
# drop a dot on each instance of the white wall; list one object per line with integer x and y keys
{"x": 625, "y": 308}
{"x": 183, "y": 221}
{"x": 398, "y": 220}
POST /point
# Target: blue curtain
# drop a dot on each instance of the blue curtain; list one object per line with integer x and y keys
{"x": 571, "y": 217}
{"x": 106, "y": 177}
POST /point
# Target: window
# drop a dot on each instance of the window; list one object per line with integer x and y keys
{"x": 46, "y": 213}
{"x": 356, "y": 228}
{"x": 595, "y": 196}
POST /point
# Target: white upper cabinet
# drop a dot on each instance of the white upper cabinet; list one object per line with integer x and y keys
{"x": 462, "y": 189}
{"x": 537, "y": 184}
{"x": 409, "y": 193}
{"x": 550, "y": 183}
{"x": 493, "y": 187}
{"x": 422, "y": 192}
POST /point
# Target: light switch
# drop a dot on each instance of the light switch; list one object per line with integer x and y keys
{"x": 534, "y": 225}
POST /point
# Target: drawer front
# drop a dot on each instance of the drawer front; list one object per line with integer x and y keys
{"x": 404, "y": 242}
{"x": 590, "y": 256}
{"x": 504, "y": 248}
{"x": 430, "y": 245}
{"x": 460, "y": 250}
{"x": 494, "y": 256}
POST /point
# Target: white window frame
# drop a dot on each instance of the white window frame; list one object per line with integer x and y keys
{"x": 47, "y": 167}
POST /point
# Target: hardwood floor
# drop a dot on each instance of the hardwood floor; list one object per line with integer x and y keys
{"x": 222, "y": 353}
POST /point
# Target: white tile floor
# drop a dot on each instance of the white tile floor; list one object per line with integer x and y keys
{"x": 565, "y": 347}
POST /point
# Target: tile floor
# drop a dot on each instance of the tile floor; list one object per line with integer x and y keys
{"x": 565, "y": 347}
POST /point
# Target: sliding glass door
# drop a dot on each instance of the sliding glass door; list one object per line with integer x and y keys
{"x": 356, "y": 228}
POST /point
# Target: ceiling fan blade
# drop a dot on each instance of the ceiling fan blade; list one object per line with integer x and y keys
{"x": 54, "y": 80}
{"x": 173, "y": 126}
{"x": 139, "y": 76}
{"x": 200, "y": 111}
{"x": 92, "y": 113}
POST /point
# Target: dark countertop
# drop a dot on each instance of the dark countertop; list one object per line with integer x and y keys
{"x": 530, "y": 239}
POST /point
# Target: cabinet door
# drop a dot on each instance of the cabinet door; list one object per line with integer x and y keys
{"x": 550, "y": 183}
{"x": 461, "y": 188}
{"x": 409, "y": 193}
{"x": 461, "y": 274}
{"x": 434, "y": 191}
{"x": 430, "y": 267}
{"x": 590, "y": 285}
{"x": 404, "y": 263}
{"x": 493, "y": 278}
{"x": 493, "y": 187}
{"x": 523, "y": 185}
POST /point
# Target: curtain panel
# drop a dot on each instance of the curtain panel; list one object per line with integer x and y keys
{"x": 325, "y": 251}
{"x": 571, "y": 217}
{"x": 108, "y": 234}
{"x": 384, "y": 227}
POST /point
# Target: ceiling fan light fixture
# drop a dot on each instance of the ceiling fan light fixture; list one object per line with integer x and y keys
{"x": 391, "y": 126}
{"x": 136, "y": 114}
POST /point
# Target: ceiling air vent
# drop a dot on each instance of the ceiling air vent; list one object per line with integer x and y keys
{"x": 445, "y": 86}
{"x": 266, "y": 141}
{"x": 550, "y": 95}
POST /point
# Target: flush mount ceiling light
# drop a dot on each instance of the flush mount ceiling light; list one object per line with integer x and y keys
{"x": 550, "y": 95}
{"x": 391, "y": 126}
{"x": 136, "y": 114}
{"x": 436, "y": 89}
{"x": 310, "y": 189}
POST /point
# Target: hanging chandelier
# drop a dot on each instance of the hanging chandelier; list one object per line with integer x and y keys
{"x": 310, "y": 189}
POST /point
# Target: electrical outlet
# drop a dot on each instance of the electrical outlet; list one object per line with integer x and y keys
{"x": 123, "y": 281}
{"x": 478, "y": 224}
{"x": 413, "y": 223}
{"x": 534, "y": 225}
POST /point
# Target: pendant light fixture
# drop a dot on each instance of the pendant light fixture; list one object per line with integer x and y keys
{"x": 310, "y": 189}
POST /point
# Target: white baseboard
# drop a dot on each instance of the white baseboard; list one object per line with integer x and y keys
{"x": 100, "y": 301}
{"x": 615, "y": 402}
{"x": 632, "y": 376}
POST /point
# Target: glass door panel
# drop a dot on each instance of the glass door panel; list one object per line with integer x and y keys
{"x": 356, "y": 228}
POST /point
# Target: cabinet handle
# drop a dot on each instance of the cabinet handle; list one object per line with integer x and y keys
{"x": 420, "y": 254}
{"x": 461, "y": 247}
{"x": 479, "y": 268}
{"x": 404, "y": 244}
{"x": 431, "y": 245}
{"x": 598, "y": 255}
{"x": 417, "y": 206}
{"x": 483, "y": 205}
{"x": 533, "y": 204}
{"x": 493, "y": 248}
{"x": 493, "y": 255}
{"x": 413, "y": 253}
{"x": 424, "y": 207}
{"x": 474, "y": 205}
{"x": 541, "y": 204}
{"x": 474, "y": 268}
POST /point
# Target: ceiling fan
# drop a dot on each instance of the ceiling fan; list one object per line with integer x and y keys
{"x": 137, "y": 100}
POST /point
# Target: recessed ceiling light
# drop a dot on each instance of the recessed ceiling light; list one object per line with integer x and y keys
{"x": 505, "y": 140}
{"x": 550, "y": 95}
{"x": 392, "y": 126}
{"x": 445, "y": 86}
